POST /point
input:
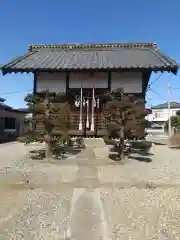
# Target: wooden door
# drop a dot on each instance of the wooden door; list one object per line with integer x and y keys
{"x": 98, "y": 111}
{"x": 87, "y": 111}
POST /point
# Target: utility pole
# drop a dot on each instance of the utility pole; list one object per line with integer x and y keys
{"x": 169, "y": 109}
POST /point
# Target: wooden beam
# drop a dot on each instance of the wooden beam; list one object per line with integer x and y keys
{"x": 109, "y": 81}
{"x": 145, "y": 79}
{"x": 67, "y": 81}
{"x": 34, "y": 92}
{"x": 35, "y": 83}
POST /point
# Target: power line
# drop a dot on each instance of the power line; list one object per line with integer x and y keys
{"x": 157, "y": 93}
{"x": 175, "y": 88}
{"x": 9, "y": 93}
{"x": 154, "y": 81}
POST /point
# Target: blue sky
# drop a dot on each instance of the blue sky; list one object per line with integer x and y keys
{"x": 55, "y": 21}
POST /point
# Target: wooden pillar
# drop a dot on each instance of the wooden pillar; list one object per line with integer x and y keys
{"x": 67, "y": 81}
{"x": 109, "y": 81}
{"x": 33, "y": 127}
{"x": 35, "y": 83}
{"x": 145, "y": 79}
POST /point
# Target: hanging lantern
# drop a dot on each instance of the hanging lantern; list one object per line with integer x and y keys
{"x": 94, "y": 103}
{"x": 98, "y": 103}
{"x": 84, "y": 102}
{"x": 77, "y": 102}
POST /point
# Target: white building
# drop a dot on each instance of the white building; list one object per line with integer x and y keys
{"x": 160, "y": 112}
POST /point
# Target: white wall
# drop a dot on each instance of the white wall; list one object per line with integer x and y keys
{"x": 86, "y": 80}
{"x": 56, "y": 82}
{"x": 130, "y": 81}
{"x": 53, "y": 82}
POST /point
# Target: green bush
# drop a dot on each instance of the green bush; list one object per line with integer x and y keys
{"x": 175, "y": 122}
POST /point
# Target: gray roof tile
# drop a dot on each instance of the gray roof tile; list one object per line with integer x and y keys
{"x": 165, "y": 105}
{"x": 91, "y": 56}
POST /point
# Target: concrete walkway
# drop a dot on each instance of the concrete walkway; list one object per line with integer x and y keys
{"x": 91, "y": 197}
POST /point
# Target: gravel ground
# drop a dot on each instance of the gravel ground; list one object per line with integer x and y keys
{"x": 89, "y": 197}
{"x": 163, "y": 169}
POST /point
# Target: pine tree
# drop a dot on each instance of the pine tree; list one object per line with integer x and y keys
{"x": 124, "y": 118}
{"x": 50, "y": 112}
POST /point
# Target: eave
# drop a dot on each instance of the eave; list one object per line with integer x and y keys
{"x": 134, "y": 69}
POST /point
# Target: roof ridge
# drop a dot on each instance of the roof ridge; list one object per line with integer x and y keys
{"x": 163, "y": 57}
{"x": 92, "y": 45}
{"x": 165, "y": 104}
{"x": 160, "y": 53}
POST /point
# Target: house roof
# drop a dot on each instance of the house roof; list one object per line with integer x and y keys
{"x": 23, "y": 110}
{"x": 165, "y": 105}
{"x": 5, "y": 106}
{"x": 65, "y": 57}
{"x": 2, "y": 99}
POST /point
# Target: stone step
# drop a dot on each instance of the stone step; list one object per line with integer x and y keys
{"x": 101, "y": 150}
{"x": 94, "y": 142}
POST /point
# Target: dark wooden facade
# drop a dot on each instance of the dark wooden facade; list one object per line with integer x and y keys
{"x": 99, "y": 123}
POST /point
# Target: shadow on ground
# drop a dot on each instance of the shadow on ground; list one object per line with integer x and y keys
{"x": 7, "y": 141}
{"x": 158, "y": 143}
{"x": 135, "y": 155}
{"x": 65, "y": 152}
{"x": 60, "y": 153}
{"x": 141, "y": 158}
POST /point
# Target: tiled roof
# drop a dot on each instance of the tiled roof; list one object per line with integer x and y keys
{"x": 23, "y": 110}
{"x": 2, "y": 99}
{"x": 91, "y": 57}
{"x": 4, "y": 106}
{"x": 165, "y": 105}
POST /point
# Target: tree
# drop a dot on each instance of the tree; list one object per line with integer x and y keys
{"x": 124, "y": 118}
{"x": 49, "y": 112}
{"x": 30, "y": 100}
{"x": 175, "y": 121}
{"x": 178, "y": 113}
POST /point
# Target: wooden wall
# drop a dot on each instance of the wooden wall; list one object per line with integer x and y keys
{"x": 56, "y": 82}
